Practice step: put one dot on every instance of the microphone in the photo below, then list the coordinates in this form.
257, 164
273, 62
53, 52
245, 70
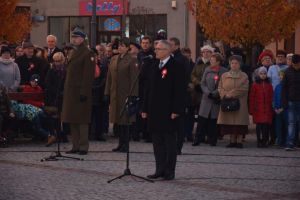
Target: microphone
147, 57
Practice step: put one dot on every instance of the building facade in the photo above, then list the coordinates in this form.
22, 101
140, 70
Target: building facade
140, 17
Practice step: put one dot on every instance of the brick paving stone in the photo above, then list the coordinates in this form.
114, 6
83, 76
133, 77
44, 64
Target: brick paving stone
202, 172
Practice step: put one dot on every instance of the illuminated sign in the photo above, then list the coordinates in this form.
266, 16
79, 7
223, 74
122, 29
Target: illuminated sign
103, 8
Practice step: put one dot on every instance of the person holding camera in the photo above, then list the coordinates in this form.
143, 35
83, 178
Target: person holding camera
210, 102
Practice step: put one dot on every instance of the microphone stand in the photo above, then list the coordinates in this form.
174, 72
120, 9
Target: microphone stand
127, 171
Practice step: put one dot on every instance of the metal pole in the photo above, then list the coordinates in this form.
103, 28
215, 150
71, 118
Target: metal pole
123, 20
93, 26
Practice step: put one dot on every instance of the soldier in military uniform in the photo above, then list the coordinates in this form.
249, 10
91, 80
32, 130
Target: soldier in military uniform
77, 101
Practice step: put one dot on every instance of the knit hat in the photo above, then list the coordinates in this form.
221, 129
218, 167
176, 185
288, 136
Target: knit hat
35, 77
207, 48
262, 69
296, 59
264, 54
5, 49
77, 32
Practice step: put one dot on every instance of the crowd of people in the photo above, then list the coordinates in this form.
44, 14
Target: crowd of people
84, 90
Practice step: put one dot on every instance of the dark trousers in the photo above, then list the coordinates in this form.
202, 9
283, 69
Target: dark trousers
141, 127
262, 133
189, 122
95, 131
5, 123
164, 146
180, 133
123, 132
207, 126
104, 118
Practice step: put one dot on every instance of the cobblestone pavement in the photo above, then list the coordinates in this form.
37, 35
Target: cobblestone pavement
202, 172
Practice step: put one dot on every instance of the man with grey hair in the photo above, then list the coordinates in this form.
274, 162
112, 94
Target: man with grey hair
163, 104
51, 47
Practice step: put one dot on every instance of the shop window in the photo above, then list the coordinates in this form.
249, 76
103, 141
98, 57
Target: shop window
140, 25
61, 27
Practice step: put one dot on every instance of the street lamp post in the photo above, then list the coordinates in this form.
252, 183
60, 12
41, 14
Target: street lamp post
93, 26
123, 20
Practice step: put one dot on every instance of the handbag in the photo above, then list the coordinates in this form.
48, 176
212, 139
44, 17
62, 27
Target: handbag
133, 105
230, 104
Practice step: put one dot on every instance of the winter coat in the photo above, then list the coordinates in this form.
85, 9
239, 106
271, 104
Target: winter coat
122, 73
236, 85
208, 106
9, 74
80, 75
25, 111
146, 61
260, 102
290, 86
277, 103
54, 87
30, 66
30, 89
196, 77
164, 96
4, 104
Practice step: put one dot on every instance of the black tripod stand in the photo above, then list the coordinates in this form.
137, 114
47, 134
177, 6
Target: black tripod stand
124, 110
58, 153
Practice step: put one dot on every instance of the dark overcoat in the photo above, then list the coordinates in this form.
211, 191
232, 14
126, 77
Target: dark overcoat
164, 95
121, 76
79, 78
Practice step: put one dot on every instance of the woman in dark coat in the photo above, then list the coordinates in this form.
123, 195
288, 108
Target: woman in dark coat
122, 73
54, 83
261, 99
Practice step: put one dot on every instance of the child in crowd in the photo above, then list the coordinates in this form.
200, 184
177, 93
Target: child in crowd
280, 114
260, 106
5, 115
33, 88
32, 114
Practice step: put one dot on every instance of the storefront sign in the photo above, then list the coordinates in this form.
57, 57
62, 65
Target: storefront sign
103, 7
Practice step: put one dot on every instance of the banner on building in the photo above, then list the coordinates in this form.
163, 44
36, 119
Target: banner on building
103, 7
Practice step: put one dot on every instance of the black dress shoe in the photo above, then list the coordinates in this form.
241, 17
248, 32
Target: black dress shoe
154, 176
239, 145
72, 151
196, 143
116, 149
101, 138
82, 152
169, 177
123, 149
231, 145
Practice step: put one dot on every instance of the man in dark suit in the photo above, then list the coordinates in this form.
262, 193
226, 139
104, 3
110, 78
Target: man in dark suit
51, 47
146, 58
184, 62
163, 104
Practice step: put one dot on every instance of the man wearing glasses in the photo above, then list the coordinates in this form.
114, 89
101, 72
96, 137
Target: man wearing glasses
163, 104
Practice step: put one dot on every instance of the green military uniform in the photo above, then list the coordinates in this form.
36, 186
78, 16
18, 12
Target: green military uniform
77, 101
